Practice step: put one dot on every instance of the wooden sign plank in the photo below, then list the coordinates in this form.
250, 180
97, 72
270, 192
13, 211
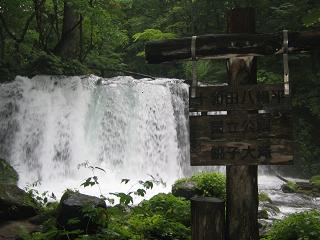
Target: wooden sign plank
241, 126
269, 97
262, 152
214, 46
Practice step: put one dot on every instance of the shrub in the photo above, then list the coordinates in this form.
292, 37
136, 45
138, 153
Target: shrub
168, 206
299, 226
163, 217
207, 184
158, 227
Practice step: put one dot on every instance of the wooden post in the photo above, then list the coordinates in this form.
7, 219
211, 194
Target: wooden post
208, 218
242, 186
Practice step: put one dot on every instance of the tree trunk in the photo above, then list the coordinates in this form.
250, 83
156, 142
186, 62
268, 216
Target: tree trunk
68, 46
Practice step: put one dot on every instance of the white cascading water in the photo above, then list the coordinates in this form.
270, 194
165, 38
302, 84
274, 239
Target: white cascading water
131, 128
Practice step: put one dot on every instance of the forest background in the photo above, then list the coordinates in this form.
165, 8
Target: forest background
106, 38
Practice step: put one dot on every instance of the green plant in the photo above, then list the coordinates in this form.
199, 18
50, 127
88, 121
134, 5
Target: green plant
264, 197
159, 227
41, 197
124, 198
299, 226
315, 180
292, 185
208, 184
167, 205
8, 175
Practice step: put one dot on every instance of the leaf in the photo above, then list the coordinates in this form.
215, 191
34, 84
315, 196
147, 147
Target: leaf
140, 192
148, 184
88, 182
311, 18
125, 180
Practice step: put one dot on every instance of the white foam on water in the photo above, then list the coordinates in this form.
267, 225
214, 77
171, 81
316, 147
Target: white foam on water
126, 126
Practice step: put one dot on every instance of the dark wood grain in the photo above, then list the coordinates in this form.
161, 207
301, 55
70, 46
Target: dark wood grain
242, 126
230, 45
242, 181
207, 218
251, 152
269, 97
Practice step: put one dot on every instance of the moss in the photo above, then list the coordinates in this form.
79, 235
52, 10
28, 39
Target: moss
7, 173
208, 184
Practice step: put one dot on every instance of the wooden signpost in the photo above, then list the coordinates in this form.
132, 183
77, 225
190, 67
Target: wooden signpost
240, 124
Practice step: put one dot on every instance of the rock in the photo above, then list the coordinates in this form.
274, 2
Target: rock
14, 229
287, 189
15, 203
187, 189
7, 173
271, 208
72, 214
263, 214
264, 226
304, 186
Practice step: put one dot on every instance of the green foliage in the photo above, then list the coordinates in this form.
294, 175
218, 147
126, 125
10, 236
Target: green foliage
211, 184
49, 64
300, 226
263, 197
268, 77
7, 173
315, 180
208, 184
152, 34
158, 227
292, 185
312, 17
164, 216
42, 198
167, 205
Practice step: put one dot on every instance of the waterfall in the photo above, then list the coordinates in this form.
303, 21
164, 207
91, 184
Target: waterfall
131, 128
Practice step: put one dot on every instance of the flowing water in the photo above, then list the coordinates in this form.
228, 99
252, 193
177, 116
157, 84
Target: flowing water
133, 129
130, 128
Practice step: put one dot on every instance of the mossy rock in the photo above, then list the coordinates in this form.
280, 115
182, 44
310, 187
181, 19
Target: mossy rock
289, 187
263, 214
270, 208
207, 184
77, 211
7, 173
16, 203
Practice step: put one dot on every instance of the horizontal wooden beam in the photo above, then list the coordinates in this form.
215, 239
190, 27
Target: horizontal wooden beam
246, 152
230, 45
269, 97
241, 126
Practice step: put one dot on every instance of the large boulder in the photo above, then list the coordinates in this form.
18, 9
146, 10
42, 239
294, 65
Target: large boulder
7, 173
15, 203
80, 211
